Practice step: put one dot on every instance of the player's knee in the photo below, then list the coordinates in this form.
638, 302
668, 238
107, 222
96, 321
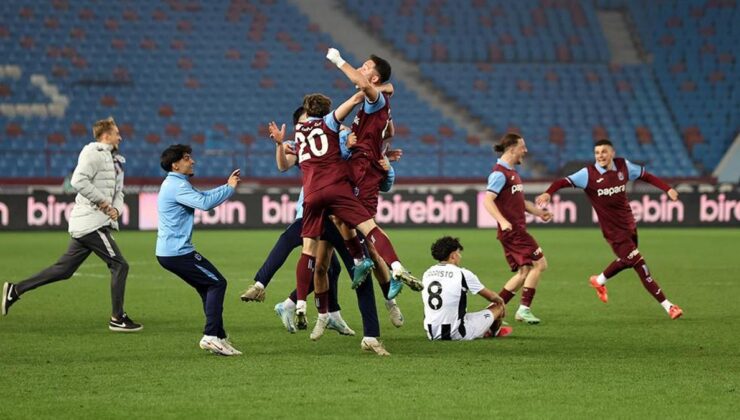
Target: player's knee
123, 266
523, 273
321, 270
541, 264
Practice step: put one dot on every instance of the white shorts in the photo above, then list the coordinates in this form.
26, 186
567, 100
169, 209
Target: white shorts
476, 325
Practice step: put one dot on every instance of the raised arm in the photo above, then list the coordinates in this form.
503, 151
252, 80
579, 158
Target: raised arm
576, 180
283, 160
347, 106
353, 75
206, 200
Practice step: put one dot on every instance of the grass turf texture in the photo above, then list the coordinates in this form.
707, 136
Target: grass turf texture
621, 359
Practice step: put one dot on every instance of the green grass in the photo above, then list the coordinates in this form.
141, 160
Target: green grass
587, 359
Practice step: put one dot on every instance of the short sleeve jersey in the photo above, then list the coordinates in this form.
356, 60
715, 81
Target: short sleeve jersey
607, 192
445, 299
369, 125
319, 154
505, 182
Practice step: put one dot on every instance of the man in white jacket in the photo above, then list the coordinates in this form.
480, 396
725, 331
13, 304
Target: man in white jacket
98, 179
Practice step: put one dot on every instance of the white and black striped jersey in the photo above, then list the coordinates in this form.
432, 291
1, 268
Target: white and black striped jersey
445, 300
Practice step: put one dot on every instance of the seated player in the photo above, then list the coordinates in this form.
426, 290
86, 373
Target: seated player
445, 299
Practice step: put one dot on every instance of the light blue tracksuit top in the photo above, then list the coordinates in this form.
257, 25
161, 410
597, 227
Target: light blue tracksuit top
176, 206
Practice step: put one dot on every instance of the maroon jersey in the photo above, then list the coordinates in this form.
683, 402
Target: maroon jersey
507, 185
608, 195
369, 128
319, 155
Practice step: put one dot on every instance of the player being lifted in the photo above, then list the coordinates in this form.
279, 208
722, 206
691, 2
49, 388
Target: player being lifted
445, 298
605, 185
372, 125
505, 201
327, 190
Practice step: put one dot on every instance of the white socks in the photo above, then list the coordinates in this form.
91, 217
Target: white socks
259, 285
601, 279
397, 267
289, 304
666, 304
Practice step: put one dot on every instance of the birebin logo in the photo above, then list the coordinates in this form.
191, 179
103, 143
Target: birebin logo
228, 213
719, 210
278, 212
55, 213
428, 210
611, 190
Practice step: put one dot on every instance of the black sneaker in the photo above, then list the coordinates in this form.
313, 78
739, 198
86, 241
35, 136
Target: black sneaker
125, 324
10, 296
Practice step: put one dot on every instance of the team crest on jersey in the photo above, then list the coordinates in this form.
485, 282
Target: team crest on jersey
620, 176
512, 177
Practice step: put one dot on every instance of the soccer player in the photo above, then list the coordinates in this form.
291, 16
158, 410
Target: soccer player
98, 180
327, 190
290, 239
605, 185
504, 200
372, 125
176, 206
446, 285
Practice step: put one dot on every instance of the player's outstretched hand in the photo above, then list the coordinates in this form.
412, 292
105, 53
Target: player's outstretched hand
542, 199
334, 56
394, 155
276, 134
234, 178
672, 194
546, 216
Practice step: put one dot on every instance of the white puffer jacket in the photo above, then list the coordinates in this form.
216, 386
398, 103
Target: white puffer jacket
98, 177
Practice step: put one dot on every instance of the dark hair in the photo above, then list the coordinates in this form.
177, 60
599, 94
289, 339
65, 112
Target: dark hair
444, 246
297, 114
172, 154
508, 140
316, 105
383, 68
604, 142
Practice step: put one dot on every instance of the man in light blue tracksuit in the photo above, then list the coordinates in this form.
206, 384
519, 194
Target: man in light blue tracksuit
176, 205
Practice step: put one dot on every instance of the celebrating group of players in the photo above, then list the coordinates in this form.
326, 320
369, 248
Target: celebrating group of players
343, 171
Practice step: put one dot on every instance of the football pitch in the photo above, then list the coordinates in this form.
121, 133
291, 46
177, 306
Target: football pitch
624, 359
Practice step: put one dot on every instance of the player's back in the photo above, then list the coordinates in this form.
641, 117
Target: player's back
319, 154
369, 125
445, 300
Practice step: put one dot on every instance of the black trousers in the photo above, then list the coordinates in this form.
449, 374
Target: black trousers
204, 277
104, 246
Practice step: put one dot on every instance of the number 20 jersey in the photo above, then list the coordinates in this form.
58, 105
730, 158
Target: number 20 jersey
319, 155
445, 299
